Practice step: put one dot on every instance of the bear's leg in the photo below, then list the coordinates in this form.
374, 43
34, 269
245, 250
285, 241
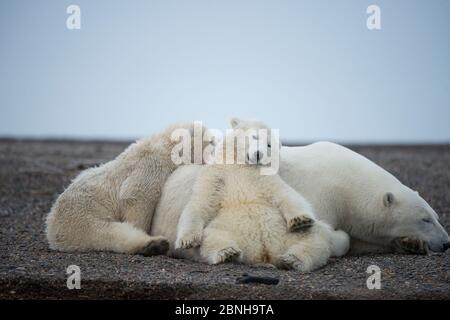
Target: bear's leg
123, 237
88, 234
189, 229
139, 194
305, 252
298, 257
219, 247
340, 243
76, 223
140, 214
295, 209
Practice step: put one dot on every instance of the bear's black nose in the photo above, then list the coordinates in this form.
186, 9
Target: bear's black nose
446, 246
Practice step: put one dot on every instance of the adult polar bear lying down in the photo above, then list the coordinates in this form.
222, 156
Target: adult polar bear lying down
346, 190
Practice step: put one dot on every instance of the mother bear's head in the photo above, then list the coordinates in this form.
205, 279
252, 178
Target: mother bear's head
410, 223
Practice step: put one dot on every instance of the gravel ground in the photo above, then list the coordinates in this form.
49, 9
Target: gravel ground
32, 173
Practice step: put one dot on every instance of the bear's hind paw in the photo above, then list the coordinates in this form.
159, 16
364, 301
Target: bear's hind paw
155, 247
291, 262
225, 255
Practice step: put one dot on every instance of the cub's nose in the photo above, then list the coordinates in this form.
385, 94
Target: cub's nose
445, 246
258, 155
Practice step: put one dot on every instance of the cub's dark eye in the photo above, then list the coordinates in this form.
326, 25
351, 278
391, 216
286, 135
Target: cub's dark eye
426, 220
269, 146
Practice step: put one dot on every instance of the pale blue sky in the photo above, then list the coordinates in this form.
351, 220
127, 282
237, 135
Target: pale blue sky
310, 68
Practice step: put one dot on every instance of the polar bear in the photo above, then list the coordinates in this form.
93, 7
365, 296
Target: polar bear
352, 193
236, 213
346, 190
110, 207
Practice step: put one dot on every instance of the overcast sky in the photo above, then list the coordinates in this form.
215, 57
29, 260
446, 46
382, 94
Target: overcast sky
310, 68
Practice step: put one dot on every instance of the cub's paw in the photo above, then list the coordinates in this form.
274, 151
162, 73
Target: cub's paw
155, 247
300, 223
225, 255
189, 240
411, 245
291, 262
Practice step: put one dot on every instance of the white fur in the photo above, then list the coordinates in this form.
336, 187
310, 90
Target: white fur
347, 190
235, 212
110, 207
248, 221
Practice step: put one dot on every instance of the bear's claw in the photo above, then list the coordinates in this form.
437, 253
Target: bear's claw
188, 242
411, 245
225, 255
300, 223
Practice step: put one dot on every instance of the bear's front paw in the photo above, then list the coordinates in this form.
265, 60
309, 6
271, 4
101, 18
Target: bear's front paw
189, 240
411, 245
300, 223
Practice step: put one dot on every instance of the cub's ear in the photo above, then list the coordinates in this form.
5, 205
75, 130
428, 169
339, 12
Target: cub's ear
388, 199
234, 122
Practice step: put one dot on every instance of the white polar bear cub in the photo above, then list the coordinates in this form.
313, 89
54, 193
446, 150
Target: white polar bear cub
235, 213
110, 207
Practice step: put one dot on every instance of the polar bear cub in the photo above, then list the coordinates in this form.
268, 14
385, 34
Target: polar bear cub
235, 213
110, 207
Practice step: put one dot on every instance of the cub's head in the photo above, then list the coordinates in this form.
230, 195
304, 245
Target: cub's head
254, 141
410, 223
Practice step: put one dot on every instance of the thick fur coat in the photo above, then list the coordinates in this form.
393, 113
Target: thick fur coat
235, 213
110, 207
346, 190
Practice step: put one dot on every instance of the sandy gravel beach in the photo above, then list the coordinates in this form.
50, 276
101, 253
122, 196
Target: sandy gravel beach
33, 173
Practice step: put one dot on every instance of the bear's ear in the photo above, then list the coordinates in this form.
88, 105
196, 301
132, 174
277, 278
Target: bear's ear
388, 199
234, 122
